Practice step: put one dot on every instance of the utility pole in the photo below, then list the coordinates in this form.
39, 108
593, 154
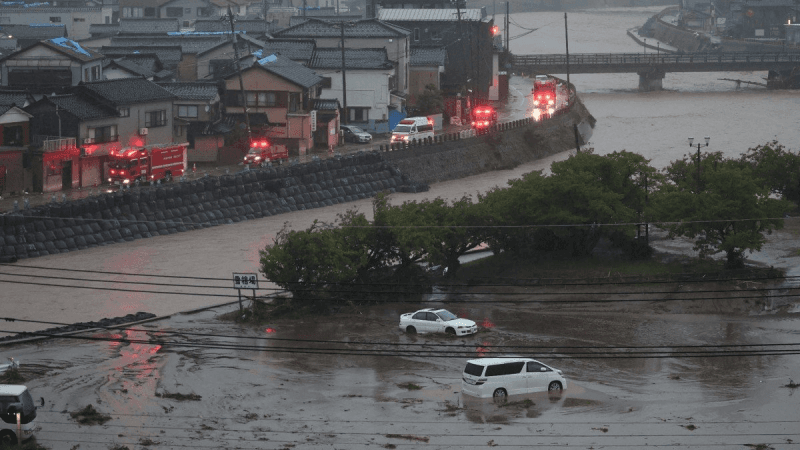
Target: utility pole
566, 39
239, 72
508, 22
344, 80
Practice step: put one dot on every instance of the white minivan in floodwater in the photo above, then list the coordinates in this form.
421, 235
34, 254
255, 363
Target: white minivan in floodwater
501, 377
15, 399
413, 129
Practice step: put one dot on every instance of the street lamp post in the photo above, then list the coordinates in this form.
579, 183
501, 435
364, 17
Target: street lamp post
698, 145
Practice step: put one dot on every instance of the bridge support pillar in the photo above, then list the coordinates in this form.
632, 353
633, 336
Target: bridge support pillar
651, 80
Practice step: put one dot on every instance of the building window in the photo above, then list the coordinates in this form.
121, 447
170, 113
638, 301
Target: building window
174, 12
124, 112
436, 35
359, 114
130, 12
187, 10
181, 130
55, 19
203, 12
154, 119
294, 101
264, 99
149, 11
220, 67
104, 134
95, 73
326, 82
12, 136
79, 19
416, 34
187, 111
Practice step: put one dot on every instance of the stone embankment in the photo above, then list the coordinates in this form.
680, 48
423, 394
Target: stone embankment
131, 214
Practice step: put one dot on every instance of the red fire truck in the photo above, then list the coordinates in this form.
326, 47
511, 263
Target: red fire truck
134, 165
262, 151
544, 94
483, 119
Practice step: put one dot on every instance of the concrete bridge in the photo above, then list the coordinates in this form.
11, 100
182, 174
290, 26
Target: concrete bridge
652, 67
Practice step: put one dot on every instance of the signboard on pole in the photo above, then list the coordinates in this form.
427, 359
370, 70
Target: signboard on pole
245, 281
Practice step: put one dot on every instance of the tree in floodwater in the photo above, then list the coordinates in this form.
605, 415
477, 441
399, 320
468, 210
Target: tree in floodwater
315, 262
777, 169
565, 210
431, 231
720, 203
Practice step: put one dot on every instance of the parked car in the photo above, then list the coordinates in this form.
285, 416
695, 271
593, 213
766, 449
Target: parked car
354, 134
432, 320
501, 377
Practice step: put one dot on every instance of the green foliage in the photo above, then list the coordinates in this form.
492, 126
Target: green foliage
310, 262
430, 101
725, 208
776, 168
584, 189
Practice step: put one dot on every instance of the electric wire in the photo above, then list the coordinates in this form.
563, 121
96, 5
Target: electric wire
422, 353
681, 277
378, 300
411, 344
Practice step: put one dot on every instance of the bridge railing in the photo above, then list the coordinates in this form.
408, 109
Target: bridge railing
642, 58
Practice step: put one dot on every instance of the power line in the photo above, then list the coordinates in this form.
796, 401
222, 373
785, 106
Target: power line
411, 344
426, 353
681, 277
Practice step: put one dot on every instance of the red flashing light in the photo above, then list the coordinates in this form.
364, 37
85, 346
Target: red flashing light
270, 330
495, 30
430, 121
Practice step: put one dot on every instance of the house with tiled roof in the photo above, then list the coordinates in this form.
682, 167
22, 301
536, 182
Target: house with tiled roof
124, 68
29, 34
427, 67
277, 94
467, 36
300, 18
200, 53
51, 65
77, 117
168, 56
76, 20
363, 34
298, 50
257, 28
195, 111
367, 75
145, 111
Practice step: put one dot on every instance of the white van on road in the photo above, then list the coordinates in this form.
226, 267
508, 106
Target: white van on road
501, 377
413, 128
16, 399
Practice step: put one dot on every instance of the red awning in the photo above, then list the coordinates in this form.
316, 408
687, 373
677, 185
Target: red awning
65, 153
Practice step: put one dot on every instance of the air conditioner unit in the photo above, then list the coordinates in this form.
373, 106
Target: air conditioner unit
143, 131
88, 141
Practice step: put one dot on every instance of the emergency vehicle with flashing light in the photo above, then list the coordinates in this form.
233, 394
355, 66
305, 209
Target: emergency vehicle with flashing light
413, 128
150, 163
483, 119
544, 95
262, 151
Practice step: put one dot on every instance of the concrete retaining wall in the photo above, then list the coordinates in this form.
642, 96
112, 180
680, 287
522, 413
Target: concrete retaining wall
522, 141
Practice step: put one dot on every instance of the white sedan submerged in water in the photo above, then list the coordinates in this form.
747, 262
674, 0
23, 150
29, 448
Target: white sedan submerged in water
432, 320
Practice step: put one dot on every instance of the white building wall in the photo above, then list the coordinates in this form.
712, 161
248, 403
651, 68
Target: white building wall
365, 88
75, 20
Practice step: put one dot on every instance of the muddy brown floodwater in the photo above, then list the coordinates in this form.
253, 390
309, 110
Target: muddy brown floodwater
216, 385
